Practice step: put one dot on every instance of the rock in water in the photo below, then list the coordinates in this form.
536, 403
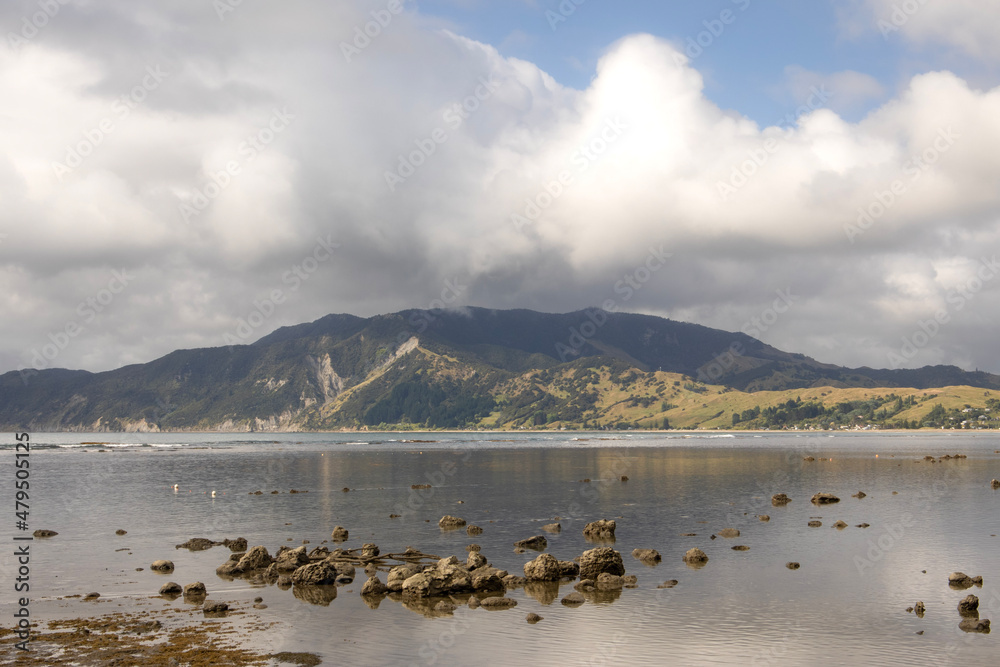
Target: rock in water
975, 625
162, 566
859, 495
447, 576
369, 550
780, 499
475, 560
44, 533
472, 531
449, 522
995, 483
339, 534
792, 565
601, 559
543, 568
315, 574
552, 527
171, 588
374, 586
919, 609
609, 582
538, 542
120, 531
292, 559
197, 544
239, 544
695, 557
216, 608
840, 525
961, 580
729, 532
574, 600
497, 603
969, 605
197, 589
824, 499
533, 618
603, 529
648, 556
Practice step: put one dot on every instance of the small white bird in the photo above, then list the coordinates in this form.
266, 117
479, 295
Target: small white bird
213, 494
175, 487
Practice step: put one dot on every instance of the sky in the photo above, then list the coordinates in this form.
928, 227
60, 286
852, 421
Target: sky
820, 175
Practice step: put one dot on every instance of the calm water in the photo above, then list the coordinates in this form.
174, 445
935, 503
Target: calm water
845, 606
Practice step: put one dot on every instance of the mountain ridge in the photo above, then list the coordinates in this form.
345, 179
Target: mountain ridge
469, 367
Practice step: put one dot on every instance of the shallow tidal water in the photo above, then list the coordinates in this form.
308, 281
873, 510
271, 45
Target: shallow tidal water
846, 605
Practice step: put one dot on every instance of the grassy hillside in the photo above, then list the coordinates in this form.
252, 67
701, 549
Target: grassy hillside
493, 369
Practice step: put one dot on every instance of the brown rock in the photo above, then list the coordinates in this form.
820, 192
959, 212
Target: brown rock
969, 606
533, 618
601, 559
780, 499
473, 530
729, 532
974, 625
537, 543
449, 522
792, 565
552, 527
339, 534
543, 568
824, 499
171, 588
498, 603
197, 589
695, 557
647, 556
574, 599
162, 566
374, 586
601, 530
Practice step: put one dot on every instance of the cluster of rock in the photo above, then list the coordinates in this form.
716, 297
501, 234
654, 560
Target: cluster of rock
968, 607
